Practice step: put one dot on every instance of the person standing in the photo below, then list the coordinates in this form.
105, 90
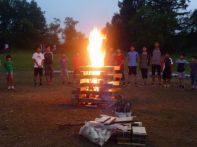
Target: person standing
9, 69
64, 69
77, 62
144, 63
109, 59
132, 64
48, 65
119, 60
181, 62
38, 59
194, 72
156, 63
167, 70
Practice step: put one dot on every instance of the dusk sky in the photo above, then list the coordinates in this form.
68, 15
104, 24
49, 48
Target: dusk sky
89, 13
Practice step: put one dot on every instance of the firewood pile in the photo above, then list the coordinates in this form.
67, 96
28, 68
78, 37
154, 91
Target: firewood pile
123, 128
98, 85
124, 131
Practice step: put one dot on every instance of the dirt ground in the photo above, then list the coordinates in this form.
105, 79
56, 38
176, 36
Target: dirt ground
29, 115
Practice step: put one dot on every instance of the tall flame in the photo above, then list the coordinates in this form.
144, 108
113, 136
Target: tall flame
95, 48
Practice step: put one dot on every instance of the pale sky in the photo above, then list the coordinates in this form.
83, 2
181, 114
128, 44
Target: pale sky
89, 13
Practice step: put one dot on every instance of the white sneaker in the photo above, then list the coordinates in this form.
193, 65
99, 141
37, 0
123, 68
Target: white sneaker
13, 87
9, 87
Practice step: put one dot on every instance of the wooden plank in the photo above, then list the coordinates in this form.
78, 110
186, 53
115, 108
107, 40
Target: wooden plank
100, 85
102, 76
103, 89
103, 68
88, 81
95, 92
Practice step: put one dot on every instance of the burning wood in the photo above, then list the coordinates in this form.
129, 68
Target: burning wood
97, 82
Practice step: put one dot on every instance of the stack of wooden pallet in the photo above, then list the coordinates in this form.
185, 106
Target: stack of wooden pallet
98, 85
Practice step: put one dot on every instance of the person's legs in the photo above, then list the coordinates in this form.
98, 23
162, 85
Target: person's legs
8, 81
144, 75
181, 77
135, 74
47, 73
40, 70
122, 76
129, 74
192, 81
12, 80
195, 82
51, 74
158, 68
63, 75
153, 74
35, 76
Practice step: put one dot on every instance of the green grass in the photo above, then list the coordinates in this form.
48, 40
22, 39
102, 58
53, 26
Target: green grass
23, 60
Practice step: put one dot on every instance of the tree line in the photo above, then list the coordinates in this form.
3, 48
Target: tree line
142, 22
23, 26
138, 22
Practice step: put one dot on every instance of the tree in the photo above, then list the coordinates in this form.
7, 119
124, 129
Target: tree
54, 31
74, 41
141, 22
22, 23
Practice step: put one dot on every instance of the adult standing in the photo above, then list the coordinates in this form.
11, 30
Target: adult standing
38, 59
109, 59
48, 65
156, 63
132, 64
144, 63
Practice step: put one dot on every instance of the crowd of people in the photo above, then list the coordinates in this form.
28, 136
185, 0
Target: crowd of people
161, 66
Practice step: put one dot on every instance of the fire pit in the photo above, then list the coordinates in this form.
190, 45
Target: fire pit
98, 83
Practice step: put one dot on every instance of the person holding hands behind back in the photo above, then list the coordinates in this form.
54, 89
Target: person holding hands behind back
38, 59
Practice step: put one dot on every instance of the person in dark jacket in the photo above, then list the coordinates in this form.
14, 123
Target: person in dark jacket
167, 70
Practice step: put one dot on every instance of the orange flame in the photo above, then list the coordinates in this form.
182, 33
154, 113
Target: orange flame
95, 48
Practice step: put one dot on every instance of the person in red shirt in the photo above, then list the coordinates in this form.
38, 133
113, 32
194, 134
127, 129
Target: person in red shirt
119, 60
76, 64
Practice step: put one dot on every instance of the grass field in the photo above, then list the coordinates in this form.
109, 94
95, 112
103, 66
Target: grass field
29, 115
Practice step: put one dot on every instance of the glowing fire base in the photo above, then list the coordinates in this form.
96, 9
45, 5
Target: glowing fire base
98, 85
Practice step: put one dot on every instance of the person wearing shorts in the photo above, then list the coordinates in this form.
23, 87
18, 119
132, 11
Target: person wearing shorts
38, 59
132, 64
9, 69
181, 62
48, 65
156, 63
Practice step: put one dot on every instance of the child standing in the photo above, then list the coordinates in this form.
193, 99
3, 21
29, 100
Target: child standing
194, 72
9, 69
144, 63
132, 64
167, 70
181, 62
63, 69
48, 65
